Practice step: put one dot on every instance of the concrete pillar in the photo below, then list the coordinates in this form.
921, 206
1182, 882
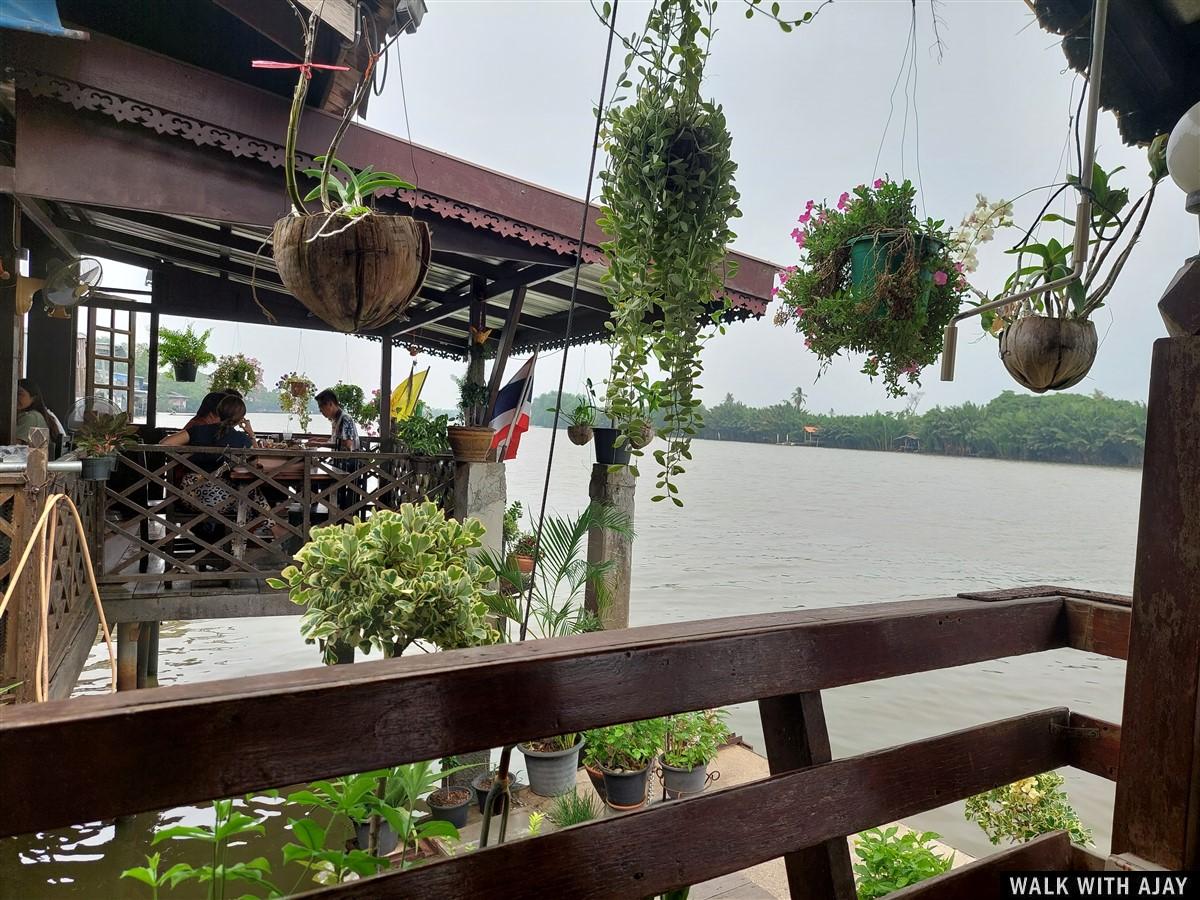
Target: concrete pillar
480, 491
612, 489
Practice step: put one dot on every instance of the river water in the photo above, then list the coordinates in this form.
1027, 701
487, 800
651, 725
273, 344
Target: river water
765, 528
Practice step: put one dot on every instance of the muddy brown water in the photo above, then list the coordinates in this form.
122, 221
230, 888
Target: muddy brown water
765, 528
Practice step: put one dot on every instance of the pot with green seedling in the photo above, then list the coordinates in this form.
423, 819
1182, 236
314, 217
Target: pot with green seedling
99, 440
523, 551
690, 747
471, 441
624, 755
354, 268
552, 763
580, 422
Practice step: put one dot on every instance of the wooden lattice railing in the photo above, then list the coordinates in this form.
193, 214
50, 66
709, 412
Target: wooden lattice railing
251, 734
160, 528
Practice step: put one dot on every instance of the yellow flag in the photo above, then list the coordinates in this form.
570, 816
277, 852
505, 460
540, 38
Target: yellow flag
406, 395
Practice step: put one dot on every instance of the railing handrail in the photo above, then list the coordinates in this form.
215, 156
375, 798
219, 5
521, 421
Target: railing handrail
265, 731
298, 452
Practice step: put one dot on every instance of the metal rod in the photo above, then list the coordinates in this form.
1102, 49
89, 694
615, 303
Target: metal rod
1083, 212
58, 465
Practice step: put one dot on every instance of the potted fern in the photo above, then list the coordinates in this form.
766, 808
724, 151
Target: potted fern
185, 351
352, 267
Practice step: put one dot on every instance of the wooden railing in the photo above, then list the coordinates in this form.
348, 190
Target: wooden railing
251, 734
160, 529
71, 616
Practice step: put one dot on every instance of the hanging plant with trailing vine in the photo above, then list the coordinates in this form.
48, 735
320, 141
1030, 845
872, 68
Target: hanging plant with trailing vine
668, 196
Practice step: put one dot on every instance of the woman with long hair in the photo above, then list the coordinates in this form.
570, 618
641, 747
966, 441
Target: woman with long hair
32, 412
207, 413
230, 430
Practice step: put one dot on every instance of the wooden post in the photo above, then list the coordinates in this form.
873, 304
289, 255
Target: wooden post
505, 348
24, 613
127, 655
478, 320
385, 396
796, 738
1157, 811
10, 331
614, 489
152, 371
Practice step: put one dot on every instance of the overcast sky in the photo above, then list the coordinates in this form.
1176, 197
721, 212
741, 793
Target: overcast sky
510, 86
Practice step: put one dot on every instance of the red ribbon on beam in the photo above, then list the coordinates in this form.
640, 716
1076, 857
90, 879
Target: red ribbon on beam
306, 67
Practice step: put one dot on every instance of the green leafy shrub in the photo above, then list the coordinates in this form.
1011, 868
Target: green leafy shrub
1025, 809
104, 434
629, 746
889, 860
402, 576
184, 347
692, 739
423, 435
236, 373
512, 522
299, 402
353, 401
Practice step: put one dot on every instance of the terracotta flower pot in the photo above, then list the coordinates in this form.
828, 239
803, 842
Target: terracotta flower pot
1048, 354
298, 388
579, 434
523, 563
357, 275
470, 443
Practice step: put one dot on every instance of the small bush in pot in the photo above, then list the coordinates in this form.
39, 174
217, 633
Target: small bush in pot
185, 351
624, 754
552, 763
296, 392
402, 576
471, 441
423, 435
524, 550
691, 744
98, 442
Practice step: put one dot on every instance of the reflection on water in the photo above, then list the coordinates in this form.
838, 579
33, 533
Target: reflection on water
765, 528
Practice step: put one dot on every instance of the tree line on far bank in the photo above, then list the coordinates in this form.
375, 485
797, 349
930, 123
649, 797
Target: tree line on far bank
1071, 428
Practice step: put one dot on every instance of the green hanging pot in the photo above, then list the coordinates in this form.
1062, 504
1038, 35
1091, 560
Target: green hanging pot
883, 253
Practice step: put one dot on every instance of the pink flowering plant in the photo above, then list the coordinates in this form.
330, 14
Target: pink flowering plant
896, 313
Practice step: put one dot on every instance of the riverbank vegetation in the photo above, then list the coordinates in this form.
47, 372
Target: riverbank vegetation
1070, 428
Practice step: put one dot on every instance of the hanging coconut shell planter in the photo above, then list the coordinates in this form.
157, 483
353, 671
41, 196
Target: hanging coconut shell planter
1048, 354
353, 268
355, 274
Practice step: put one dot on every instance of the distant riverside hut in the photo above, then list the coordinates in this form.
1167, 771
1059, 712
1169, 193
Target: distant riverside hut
812, 435
907, 443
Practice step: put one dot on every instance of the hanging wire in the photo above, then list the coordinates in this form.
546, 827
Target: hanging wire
562, 373
891, 105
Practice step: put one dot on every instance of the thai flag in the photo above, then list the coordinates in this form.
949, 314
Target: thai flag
510, 416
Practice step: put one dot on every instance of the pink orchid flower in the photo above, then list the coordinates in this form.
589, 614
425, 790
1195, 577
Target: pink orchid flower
912, 368
958, 267
803, 220
809, 205
841, 204
940, 277
822, 217
799, 311
878, 183
808, 343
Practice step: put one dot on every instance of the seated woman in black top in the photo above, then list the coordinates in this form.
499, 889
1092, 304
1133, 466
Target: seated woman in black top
210, 492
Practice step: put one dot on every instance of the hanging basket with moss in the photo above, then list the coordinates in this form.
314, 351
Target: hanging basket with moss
874, 279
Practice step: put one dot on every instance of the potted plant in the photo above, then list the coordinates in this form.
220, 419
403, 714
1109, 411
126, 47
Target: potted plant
352, 399
624, 754
354, 268
482, 784
423, 435
185, 351
873, 279
580, 422
236, 373
523, 551
99, 440
296, 392
612, 445
690, 746
511, 529
1048, 342
402, 576
552, 763
472, 440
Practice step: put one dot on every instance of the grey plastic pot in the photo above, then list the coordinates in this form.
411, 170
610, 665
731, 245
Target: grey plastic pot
97, 468
388, 840
454, 813
679, 782
625, 790
551, 772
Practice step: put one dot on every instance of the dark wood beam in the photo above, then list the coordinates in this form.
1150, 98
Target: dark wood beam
10, 328
525, 277
511, 322
983, 879
274, 21
38, 212
567, 682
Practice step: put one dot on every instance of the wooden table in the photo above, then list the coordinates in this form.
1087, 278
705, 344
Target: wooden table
287, 472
